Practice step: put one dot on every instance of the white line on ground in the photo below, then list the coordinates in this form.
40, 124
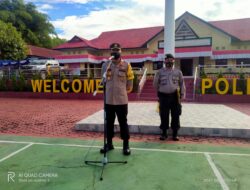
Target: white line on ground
142, 149
16, 152
216, 172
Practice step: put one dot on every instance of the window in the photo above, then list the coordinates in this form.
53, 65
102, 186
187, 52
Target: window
157, 65
242, 62
201, 61
137, 65
220, 62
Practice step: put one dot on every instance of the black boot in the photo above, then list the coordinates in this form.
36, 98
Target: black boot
175, 135
109, 146
164, 135
126, 150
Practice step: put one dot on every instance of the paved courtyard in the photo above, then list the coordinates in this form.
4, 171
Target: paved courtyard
197, 119
57, 118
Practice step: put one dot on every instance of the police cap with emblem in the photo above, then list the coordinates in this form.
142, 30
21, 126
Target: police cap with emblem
115, 46
169, 56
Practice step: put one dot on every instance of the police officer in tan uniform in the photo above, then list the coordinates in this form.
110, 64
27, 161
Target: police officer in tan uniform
169, 83
119, 81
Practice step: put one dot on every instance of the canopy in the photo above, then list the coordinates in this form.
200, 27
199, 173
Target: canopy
12, 62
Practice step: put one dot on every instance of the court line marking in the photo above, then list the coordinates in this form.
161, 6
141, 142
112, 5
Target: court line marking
142, 149
216, 172
16, 152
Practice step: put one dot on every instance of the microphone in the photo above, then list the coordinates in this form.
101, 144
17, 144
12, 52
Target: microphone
104, 75
94, 94
111, 57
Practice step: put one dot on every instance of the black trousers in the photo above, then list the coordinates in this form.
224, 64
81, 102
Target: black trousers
121, 111
169, 104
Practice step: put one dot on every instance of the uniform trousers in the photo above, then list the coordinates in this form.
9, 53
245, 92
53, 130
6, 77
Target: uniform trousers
121, 111
169, 104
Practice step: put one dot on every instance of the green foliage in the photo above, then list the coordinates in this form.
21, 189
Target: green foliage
220, 75
33, 25
91, 75
57, 41
36, 76
242, 83
49, 77
76, 77
11, 44
203, 74
242, 75
14, 85
62, 76
17, 83
22, 84
3, 84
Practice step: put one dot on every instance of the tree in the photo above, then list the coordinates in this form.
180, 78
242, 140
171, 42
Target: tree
33, 25
12, 45
57, 41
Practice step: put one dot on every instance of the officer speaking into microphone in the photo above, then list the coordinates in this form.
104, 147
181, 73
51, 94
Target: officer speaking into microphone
119, 81
169, 83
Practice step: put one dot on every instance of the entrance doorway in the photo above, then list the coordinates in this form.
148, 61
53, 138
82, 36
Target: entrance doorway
187, 67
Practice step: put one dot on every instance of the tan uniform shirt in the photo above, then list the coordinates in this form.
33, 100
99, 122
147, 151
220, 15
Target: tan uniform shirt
119, 77
169, 80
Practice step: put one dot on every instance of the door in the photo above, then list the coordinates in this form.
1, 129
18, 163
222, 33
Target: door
187, 67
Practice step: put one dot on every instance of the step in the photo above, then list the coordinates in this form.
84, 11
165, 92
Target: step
149, 91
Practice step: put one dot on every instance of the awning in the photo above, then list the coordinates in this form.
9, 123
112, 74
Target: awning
187, 52
231, 54
99, 59
12, 63
203, 51
80, 59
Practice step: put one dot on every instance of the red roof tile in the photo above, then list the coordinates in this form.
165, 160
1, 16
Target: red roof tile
131, 38
75, 42
137, 38
42, 52
240, 28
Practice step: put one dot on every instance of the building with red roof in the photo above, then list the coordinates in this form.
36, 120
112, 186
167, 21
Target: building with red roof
42, 53
198, 43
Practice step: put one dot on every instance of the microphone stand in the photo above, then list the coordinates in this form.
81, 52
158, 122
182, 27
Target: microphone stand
104, 160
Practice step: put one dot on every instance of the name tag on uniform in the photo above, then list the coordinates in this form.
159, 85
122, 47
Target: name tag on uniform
122, 74
175, 79
164, 80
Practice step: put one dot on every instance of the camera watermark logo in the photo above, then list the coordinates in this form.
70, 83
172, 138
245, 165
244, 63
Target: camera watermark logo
11, 177
31, 177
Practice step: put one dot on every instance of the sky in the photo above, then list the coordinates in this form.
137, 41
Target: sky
88, 18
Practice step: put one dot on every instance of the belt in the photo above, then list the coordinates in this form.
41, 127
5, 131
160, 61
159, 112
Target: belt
167, 94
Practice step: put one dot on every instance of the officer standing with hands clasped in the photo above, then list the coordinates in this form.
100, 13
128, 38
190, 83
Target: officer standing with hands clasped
119, 81
170, 87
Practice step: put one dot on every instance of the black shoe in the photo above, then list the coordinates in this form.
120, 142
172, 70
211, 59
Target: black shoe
106, 148
175, 135
126, 151
176, 138
164, 135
